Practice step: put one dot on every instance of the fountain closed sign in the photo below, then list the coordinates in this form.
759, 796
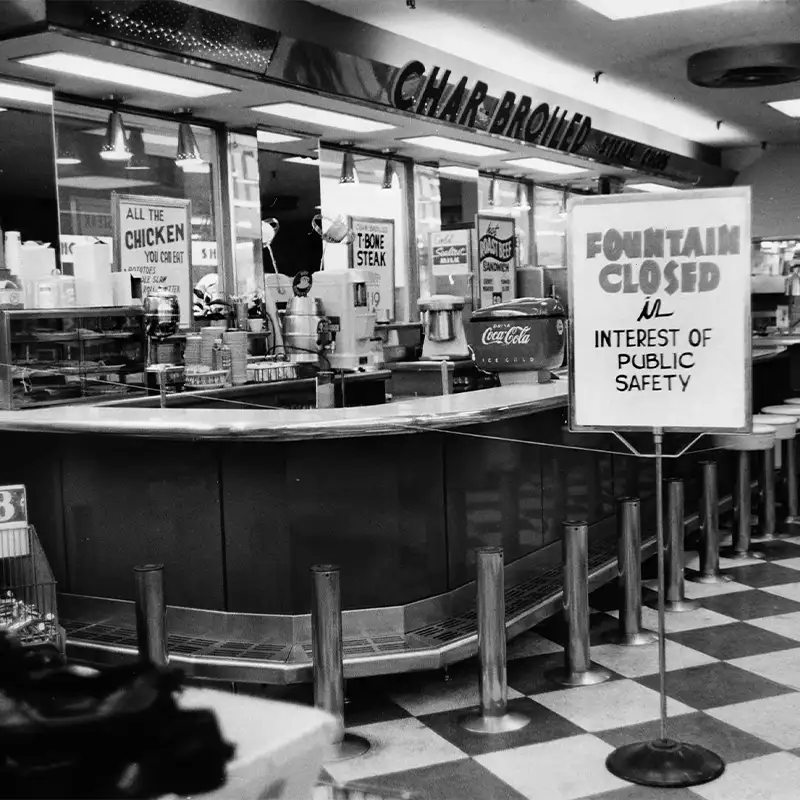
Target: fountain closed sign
660, 311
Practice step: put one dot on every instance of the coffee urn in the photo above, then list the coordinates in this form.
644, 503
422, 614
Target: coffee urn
443, 328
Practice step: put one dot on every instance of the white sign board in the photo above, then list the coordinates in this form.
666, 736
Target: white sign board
152, 240
372, 249
497, 259
660, 311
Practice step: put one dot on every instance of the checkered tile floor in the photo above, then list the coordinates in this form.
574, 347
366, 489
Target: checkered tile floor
733, 686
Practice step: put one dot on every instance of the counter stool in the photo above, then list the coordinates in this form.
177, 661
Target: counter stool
785, 431
761, 439
789, 460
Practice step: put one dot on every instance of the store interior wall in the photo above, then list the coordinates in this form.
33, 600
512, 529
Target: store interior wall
772, 176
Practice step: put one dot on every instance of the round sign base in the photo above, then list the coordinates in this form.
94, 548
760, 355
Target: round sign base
665, 763
506, 723
351, 746
738, 555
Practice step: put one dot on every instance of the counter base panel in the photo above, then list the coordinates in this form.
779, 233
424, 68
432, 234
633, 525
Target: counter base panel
376, 641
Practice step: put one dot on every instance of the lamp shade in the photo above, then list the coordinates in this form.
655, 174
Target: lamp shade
139, 160
115, 147
68, 153
389, 175
349, 176
188, 149
521, 200
493, 191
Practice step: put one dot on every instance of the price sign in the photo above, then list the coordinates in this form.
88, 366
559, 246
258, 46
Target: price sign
13, 522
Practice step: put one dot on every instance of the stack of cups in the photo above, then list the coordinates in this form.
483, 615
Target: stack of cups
209, 337
237, 341
191, 356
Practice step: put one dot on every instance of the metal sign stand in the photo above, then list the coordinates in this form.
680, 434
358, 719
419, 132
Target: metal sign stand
663, 762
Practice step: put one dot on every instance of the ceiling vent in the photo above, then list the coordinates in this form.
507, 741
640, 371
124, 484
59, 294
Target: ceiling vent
741, 67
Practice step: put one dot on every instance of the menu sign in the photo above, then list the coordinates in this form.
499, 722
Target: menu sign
450, 252
152, 240
372, 248
660, 311
497, 259
13, 521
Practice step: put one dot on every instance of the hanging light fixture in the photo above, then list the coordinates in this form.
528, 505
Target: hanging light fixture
493, 191
389, 174
68, 153
349, 176
115, 147
188, 154
521, 200
139, 161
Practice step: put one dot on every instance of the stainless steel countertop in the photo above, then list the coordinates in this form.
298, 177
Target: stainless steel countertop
406, 416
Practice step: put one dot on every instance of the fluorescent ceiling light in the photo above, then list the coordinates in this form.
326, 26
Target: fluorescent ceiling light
100, 182
272, 137
303, 160
789, 107
122, 75
320, 116
460, 172
653, 187
543, 165
25, 93
628, 9
448, 145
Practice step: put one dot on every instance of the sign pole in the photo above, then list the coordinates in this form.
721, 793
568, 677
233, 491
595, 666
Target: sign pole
663, 762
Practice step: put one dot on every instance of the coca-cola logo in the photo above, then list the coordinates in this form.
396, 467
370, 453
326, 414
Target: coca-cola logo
506, 335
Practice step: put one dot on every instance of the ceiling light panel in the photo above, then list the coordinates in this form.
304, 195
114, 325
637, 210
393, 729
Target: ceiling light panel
122, 75
630, 9
460, 172
323, 117
447, 145
25, 93
543, 165
789, 107
653, 187
273, 137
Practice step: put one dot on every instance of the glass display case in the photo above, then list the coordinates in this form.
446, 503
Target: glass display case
65, 356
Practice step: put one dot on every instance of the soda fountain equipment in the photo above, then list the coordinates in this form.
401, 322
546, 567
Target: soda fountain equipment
443, 328
162, 316
522, 340
349, 301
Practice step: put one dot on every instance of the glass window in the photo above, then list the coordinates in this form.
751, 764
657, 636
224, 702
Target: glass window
374, 207
244, 187
86, 182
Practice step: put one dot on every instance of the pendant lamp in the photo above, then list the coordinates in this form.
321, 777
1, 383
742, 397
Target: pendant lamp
521, 200
389, 175
115, 147
139, 161
349, 176
188, 150
493, 191
68, 154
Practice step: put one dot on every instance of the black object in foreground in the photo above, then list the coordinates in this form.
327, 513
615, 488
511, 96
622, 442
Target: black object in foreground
117, 733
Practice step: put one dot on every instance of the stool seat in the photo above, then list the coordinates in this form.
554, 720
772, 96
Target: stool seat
783, 410
785, 427
792, 401
761, 438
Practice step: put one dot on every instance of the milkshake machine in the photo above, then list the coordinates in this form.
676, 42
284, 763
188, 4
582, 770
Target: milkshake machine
348, 300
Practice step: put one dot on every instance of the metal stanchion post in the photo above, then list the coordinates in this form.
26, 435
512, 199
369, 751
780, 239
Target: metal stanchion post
578, 669
629, 533
151, 614
673, 555
494, 716
709, 521
792, 517
328, 649
740, 549
767, 524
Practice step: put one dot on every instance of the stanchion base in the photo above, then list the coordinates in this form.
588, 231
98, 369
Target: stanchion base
680, 606
639, 639
595, 674
792, 521
665, 763
715, 577
771, 537
351, 746
506, 723
738, 555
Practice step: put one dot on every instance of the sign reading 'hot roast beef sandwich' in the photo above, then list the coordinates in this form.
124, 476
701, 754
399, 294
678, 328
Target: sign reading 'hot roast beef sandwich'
497, 259
660, 310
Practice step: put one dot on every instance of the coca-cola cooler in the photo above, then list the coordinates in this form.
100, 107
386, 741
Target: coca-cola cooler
522, 340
